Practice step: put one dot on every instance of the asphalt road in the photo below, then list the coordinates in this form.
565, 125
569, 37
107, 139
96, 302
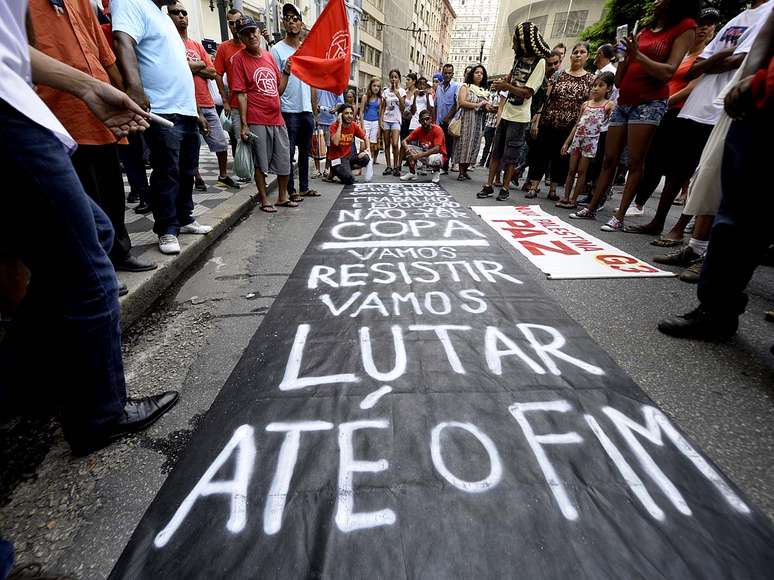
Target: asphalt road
76, 515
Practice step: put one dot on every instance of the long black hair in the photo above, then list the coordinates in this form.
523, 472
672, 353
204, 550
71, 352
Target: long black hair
677, 11
469, 76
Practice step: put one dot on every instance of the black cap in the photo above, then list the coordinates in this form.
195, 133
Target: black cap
709, 16
245, 23
290, 9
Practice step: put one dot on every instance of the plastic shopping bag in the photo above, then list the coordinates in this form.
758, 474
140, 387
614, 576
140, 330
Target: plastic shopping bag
243, 159
225, 120
368, 174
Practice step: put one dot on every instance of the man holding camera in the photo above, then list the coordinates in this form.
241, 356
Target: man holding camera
340, 154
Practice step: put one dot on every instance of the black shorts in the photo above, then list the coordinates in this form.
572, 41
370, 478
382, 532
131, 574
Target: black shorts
508, 141
686, 148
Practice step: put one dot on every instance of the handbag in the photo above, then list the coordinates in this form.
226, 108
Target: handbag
455, 127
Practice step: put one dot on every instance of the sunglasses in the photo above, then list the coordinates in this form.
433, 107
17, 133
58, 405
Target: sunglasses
292, 18
177, 12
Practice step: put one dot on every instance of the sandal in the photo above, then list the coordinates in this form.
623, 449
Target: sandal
552, 196
678, 201
461, 177
644, 229
387, 171
289, 203
532, 194
269, 208
503, 195
666, 243
566, 204
310, 193
296, 197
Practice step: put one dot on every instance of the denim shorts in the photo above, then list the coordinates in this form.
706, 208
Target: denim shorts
648, 113
389, 126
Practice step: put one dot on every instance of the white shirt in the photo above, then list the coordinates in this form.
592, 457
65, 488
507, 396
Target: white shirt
392, 112
16, 73
423, 103
164, 71
740, 32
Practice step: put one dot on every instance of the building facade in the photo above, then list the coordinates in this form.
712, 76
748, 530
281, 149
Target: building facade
430, 36
558, 21
371, 43
475, 34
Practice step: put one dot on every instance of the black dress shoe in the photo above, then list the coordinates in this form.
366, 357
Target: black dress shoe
700, 324
143, 208
132, 264
138, 414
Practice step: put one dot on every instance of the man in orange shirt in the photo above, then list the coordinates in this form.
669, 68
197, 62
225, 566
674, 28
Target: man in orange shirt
202, 71
75, 37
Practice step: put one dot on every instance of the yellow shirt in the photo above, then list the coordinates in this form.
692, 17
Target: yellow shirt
521, 113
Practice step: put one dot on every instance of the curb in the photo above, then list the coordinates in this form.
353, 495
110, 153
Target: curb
145, 288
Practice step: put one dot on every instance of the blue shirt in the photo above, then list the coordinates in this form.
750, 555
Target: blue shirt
327, 101
444, 100
164, 72
297, 97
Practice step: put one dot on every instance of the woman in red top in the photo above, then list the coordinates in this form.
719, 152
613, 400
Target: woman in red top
642, 78
679, 89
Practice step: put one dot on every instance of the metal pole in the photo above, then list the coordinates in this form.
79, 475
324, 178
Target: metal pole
566, 18
481, 53
222, 18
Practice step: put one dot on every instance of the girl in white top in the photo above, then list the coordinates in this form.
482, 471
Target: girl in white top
422, 101
393, 103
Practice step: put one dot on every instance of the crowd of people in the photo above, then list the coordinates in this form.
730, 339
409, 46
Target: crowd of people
684, 100
681, 100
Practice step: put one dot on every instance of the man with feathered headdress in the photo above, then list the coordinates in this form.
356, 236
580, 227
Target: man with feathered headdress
517, 88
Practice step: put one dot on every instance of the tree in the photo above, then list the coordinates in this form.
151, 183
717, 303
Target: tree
618, 12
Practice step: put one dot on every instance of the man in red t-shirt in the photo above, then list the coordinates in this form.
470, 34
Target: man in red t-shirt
258, 85
343, 132
431, 151
202, 70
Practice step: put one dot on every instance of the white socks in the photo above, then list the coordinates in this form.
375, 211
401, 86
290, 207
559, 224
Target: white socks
698, 246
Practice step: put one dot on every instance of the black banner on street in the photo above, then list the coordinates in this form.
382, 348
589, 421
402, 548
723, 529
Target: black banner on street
414, 406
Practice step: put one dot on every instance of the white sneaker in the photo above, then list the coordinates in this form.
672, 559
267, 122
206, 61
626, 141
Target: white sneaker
634, 211
436, 176
168, 244
408, 177
195, 228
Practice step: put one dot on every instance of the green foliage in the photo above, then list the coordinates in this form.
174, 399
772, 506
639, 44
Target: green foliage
616, 13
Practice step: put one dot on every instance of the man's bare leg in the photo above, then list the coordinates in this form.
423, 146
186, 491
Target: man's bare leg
263, 191
222, 163
282, 188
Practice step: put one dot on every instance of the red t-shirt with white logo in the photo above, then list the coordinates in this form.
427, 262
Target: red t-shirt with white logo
259, 78
348, 134
195, 52
429, 139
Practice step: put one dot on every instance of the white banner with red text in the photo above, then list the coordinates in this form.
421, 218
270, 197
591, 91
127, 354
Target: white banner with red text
560, 250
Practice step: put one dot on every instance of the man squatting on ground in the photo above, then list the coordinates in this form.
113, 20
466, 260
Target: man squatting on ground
431, 151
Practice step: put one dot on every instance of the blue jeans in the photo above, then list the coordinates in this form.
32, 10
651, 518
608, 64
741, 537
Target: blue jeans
66, 331
133, 159
174, 156
300, 128
6, 558
742, 229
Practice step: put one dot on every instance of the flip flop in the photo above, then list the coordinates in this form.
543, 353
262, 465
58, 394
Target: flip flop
288, 203
269, 208
531, 195
566, 205
311, 193
665, 243
641, 229
298, 198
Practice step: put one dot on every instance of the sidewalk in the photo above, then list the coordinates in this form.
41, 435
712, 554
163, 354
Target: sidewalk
219, 207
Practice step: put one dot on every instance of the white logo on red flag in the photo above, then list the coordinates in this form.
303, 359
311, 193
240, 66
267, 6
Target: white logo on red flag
339, 47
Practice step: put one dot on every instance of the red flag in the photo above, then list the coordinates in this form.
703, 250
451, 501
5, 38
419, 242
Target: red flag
323, 59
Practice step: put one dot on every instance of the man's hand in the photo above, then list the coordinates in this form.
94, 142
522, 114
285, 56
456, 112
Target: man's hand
362, 154
227, 108
121, 114
286, 69
204, 127
739, 102
244, 132
138, 96
533, 131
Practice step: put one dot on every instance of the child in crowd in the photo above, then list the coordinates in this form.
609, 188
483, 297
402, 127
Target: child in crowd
369, 116
582, 142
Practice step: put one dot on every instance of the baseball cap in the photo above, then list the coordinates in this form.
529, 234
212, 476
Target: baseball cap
709, 15
437, 76
245, 23
290, 9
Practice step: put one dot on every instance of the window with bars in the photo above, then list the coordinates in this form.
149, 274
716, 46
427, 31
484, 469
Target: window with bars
541, 22
569, 24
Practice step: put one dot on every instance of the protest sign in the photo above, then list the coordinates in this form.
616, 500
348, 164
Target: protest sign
414, 406
561, 250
